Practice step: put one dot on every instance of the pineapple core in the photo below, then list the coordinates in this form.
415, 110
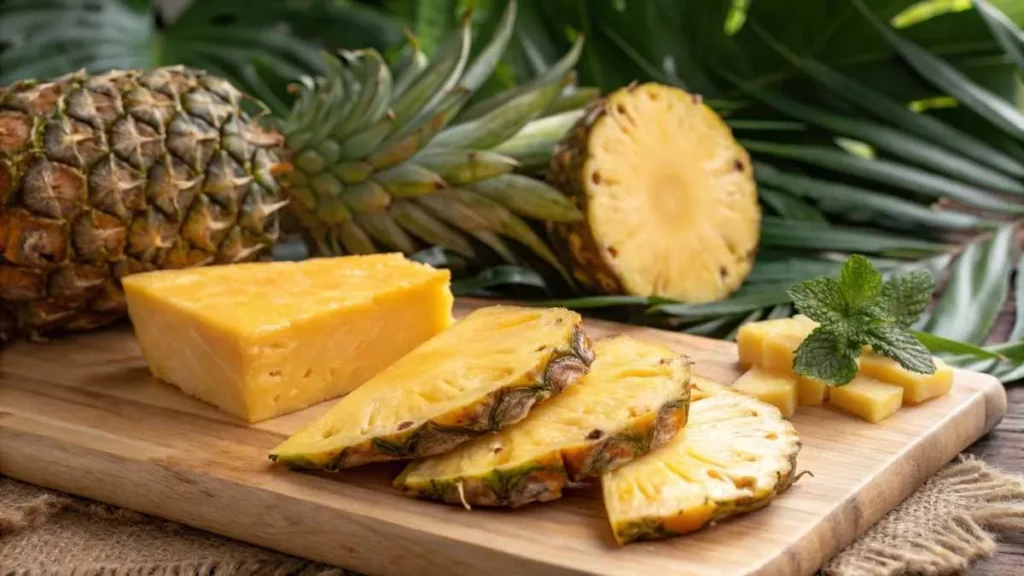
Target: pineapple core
779, 390
263, 339
867, 398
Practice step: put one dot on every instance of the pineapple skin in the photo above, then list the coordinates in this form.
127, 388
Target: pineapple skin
574, 241
107, 175
544, 478
491, 413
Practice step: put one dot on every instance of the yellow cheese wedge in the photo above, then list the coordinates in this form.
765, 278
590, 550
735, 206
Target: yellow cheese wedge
810, 392
776, 389
867, 398
263, 339
916, 387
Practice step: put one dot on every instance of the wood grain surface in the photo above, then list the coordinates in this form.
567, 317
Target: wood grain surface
82, 415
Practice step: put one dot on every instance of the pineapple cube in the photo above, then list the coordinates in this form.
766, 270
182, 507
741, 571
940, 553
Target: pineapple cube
263, 339
810, 392
916, 387
867, 398
772, 343
776, 389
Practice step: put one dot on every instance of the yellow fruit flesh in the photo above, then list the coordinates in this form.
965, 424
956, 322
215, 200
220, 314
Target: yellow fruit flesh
867, 398
776, 389
916, 387
488, 350
670, 196
628, 380
734, 454
772, 344
810, 392
263, 339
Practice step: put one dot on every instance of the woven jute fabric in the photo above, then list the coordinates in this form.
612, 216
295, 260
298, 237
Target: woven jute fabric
950, 522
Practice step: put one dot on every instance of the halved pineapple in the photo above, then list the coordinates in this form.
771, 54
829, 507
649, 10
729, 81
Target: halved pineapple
735, 454
484, 373
633, 400
668, 196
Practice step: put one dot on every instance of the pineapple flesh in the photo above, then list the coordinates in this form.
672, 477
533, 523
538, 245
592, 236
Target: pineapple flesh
667, 194
916, 387
734, 456
484, 373
109, 175
867, 398
633, 400
776, 389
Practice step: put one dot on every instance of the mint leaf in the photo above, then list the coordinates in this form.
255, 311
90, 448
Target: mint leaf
824, 355
858, 309
859, 281
907, 296
820, 299
902, 346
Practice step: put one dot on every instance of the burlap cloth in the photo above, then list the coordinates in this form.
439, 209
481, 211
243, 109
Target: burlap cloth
950, 522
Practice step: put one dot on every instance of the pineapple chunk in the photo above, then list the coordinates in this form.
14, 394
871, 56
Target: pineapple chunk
810, 392
633, 400
734, 456
867, 398
916, 387
484, 373
263, 339
779, 390
771, 344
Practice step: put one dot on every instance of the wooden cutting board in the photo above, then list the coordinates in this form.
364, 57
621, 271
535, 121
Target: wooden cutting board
83, 415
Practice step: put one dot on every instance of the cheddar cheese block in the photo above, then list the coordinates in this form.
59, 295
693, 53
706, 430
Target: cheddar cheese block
263, 339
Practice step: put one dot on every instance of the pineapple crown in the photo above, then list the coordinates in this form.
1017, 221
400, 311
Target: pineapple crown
397, 158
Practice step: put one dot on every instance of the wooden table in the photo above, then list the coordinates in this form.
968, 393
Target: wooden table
1004, 449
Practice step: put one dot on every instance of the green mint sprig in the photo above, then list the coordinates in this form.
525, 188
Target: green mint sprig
859, 309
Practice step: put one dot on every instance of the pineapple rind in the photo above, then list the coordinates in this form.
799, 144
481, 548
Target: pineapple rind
544, 477
659, 523
490, 413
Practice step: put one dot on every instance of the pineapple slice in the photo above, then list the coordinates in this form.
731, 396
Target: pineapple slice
735, 454
668, 198
916, 387
776, 389
867, 398
634, 399
482, 374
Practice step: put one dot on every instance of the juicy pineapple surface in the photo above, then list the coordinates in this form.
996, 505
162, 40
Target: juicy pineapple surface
668, 197
484, 373
734, 455
104, 176
633, 400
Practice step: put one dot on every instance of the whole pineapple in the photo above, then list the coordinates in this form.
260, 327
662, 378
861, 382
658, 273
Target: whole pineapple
114, 174
103, 176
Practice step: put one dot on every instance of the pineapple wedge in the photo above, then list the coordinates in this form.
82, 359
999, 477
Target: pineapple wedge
916, 387
735, 454
776, 389
867, 398
634, 399
481, 375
